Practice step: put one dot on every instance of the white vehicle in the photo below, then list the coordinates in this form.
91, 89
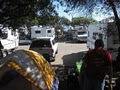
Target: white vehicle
39, 31
81, 35
9, 39
108, 33
46, 46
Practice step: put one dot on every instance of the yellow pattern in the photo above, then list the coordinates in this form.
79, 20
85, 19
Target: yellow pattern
13, 65
43, 66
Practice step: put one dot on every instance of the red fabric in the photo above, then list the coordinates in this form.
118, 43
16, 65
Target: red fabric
98, 50
109, 56
97, 61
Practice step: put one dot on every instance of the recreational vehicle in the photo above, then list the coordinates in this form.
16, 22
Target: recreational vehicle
39, 31
108, 33
9, 39
81, 35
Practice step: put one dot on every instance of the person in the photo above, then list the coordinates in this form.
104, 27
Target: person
97, 64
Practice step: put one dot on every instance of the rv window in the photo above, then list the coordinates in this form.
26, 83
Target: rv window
49, 31
80, 33
4, 36
37, 31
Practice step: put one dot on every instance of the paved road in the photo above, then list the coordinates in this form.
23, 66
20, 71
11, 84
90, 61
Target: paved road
68, 53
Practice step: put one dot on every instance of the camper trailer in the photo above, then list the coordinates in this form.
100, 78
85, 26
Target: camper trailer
108, 33
39, 31
78, 34
9, 39
81, 35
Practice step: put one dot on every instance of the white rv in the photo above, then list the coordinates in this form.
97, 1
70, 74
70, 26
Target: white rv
9, 39
108, 33
38, 31
81, 35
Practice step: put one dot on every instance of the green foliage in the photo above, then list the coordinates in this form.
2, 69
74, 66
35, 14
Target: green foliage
64, 21
16, 13
82, 20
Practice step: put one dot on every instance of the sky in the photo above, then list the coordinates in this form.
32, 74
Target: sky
61, 13
76, 13
69, 15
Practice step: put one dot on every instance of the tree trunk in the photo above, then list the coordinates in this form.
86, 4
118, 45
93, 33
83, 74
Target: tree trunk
117, 20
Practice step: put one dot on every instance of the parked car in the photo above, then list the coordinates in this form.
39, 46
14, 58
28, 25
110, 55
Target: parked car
46, 46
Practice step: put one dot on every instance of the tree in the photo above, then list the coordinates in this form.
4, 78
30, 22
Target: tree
81, 21
15, 13
90, 4
64, 21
